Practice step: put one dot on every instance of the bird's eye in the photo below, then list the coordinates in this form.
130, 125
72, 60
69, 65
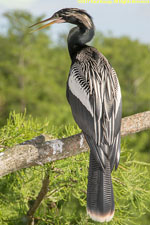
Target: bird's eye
56, 15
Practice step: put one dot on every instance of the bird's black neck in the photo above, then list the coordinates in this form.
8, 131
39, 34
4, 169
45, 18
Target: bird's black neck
77, 38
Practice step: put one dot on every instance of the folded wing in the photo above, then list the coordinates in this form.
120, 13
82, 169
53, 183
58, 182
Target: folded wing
93, 92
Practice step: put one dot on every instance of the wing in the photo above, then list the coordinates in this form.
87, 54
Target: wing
95, 98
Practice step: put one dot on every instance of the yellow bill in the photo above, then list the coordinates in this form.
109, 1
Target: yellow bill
54, 20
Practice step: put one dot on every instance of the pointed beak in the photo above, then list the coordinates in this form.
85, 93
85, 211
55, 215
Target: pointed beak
52, 21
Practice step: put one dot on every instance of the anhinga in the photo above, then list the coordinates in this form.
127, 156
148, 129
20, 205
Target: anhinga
93, 92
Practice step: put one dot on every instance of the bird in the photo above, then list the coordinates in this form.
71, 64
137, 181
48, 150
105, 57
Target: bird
94, 94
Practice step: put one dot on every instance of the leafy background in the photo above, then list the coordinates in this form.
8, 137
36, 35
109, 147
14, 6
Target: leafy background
33, 75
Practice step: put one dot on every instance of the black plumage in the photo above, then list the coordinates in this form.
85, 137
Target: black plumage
94, 95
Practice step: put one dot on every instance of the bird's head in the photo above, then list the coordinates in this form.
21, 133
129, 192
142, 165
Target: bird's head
68, 15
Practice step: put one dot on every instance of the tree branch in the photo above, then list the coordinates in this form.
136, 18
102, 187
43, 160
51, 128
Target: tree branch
41, 149
40, 197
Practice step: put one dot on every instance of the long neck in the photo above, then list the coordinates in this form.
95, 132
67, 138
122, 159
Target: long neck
78, 37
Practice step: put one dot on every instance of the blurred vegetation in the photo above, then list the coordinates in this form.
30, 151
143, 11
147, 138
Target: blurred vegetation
33, 75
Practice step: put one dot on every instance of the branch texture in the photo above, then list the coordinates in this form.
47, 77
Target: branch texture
41, 149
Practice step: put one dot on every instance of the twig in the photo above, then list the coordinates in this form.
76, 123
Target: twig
40, 197
118, 181
137, 162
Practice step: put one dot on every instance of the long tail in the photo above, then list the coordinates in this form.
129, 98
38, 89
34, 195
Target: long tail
100, 198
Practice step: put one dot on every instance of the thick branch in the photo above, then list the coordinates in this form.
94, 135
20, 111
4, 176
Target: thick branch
135, 123
41, 150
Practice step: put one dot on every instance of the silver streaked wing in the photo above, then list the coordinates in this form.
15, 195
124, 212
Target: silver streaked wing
99, 93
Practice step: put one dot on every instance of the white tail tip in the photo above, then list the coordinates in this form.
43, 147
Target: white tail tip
99, 217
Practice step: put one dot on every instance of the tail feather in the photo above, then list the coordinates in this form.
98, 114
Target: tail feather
100, 198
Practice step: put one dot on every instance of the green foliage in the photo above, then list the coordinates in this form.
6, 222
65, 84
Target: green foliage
65, 202
19, 129
32, 76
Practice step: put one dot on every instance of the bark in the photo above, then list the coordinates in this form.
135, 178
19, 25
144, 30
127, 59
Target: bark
41, 149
